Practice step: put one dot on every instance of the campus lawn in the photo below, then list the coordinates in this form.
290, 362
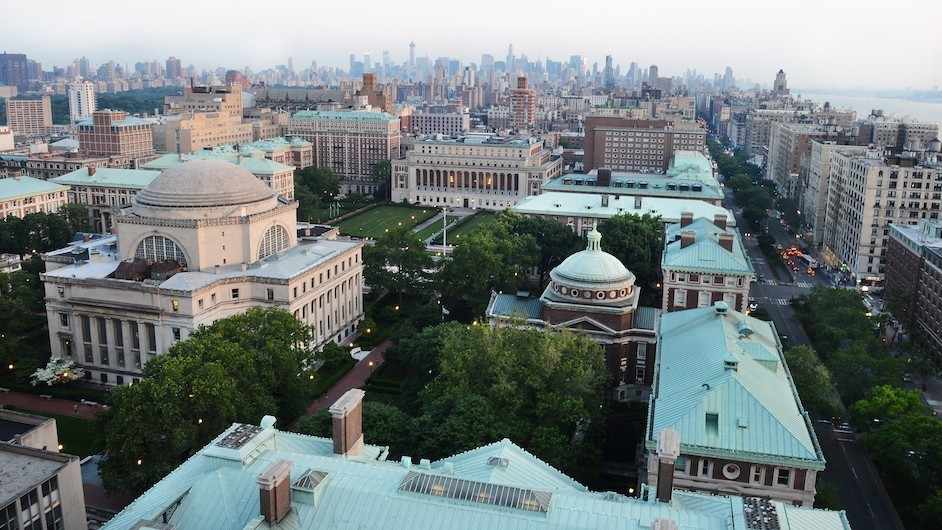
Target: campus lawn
373, 223
466, 227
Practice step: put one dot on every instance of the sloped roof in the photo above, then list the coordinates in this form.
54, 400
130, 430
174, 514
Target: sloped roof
216, 488
759, 417
590, 205
509, 305
20, 187
705, 254
108, 177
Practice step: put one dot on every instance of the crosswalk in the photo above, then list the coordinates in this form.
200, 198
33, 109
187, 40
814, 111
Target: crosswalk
772, 301
806, 285
768, 282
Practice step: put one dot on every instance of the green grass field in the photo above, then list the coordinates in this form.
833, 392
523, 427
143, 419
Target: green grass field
434, 228
75, 434
373, 223
466, 227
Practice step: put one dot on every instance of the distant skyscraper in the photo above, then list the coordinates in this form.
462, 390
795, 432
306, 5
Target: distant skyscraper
367, 62
652, 74
728, 80
81, 100
174, 68
84, 67
412, 54
608, 75
780, 87
13, 71
353, 62
290, 65
510, 58
386, 58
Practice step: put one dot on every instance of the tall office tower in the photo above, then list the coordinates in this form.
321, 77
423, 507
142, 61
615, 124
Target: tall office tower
412, 54
81, 100
29, 116
781, 85
487, 62
290, 65
652, 75
608, 75
510, 58
85, 67
728, 80
34, 70
13, 71
386, 58
367, 62
174, 68
523, 105
634, 74
353, 63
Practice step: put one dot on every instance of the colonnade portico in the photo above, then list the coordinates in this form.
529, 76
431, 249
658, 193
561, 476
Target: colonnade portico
472, 181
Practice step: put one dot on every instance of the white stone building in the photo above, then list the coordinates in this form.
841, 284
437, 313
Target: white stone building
203, 241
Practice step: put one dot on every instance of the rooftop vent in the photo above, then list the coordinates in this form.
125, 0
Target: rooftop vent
720, 307
239, 436
498, 462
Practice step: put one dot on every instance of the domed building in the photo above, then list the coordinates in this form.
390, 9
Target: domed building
204, 240
593, 291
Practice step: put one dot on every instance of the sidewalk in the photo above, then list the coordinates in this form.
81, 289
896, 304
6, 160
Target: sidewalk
355, 378
65, 407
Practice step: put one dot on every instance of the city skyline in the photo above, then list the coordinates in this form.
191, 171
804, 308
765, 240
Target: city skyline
709, 41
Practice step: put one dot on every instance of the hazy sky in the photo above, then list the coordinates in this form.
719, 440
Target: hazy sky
819, 43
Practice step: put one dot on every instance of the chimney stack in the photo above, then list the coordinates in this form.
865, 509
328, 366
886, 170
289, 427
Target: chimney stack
720, 220
604, 177
347, 414
686, 218
668, 449
687, 237
726, 241
274, 491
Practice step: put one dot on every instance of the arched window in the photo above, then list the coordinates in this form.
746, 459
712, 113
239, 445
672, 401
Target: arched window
159, 248
275, 240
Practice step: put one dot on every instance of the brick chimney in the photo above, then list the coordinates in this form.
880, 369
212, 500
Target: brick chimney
668, 449
726, 241
604, 177
686, 218
687, 237
720, 220
274, 491
347, 413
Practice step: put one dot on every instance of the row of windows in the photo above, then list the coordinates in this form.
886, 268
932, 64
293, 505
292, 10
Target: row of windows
783, 477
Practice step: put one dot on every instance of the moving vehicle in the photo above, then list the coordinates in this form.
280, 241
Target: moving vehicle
809, 261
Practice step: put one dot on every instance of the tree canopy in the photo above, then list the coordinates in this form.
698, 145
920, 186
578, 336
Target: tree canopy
398, 262
555, 242
236, 370
813, 382
638, 242
381, 174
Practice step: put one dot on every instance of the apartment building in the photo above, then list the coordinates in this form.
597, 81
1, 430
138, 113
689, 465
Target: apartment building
29, 116
114, 133
638, 145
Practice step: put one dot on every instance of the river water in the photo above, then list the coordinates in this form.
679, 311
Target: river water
918, 110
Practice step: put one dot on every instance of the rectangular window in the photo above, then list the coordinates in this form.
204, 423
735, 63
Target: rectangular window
758, 474
713, 424
642, 351
64, 320
135, 335
680, 298
151, 338
639, 375
235, 294
704, 298
176, 334
271, 294
783, 477
706, 467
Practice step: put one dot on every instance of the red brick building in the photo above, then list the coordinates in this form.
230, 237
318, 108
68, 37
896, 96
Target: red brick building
638, 145
114, 133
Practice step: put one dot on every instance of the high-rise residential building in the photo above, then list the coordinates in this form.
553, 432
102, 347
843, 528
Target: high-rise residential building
868, 192
14, 71
724, 388
350, 143
477, 171
914, 278
81, 100
114, 133
608, 75
29, 116
638, 145
691, 280
203, 241
174, 68
780, 86
192, 131
412, 54
440, 121
523, 105
790, 149
814, 197
375, 96
224, 99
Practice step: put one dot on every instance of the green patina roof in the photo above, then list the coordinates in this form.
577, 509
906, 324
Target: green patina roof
590, 205
115, 178
509, 305
759, 415
705, 254
216, 488
352, 115
256, 166
15, 188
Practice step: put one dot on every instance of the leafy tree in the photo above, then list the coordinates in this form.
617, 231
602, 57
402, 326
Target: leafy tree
308, 203
24, 340
813, 382
77, 217
381, 174
236, 370
490, 259
637, 241
332, 354
34, 233
856, 369
556, 242
454, 423
321, 181
930, 512
884, 403
740, 182
398, 262
908, 451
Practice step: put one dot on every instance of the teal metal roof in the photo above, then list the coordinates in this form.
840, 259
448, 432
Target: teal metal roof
15, 158
557, 203
729, 365
216, 488
350, 115
646, 317
509, 305
256, 166
263, 166
16, 188
705, 254
114, 178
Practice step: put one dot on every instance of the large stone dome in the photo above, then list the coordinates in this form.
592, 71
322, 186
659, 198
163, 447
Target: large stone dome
204, 184
593, 274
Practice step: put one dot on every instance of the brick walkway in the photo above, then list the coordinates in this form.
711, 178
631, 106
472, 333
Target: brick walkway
65, 407
355, 378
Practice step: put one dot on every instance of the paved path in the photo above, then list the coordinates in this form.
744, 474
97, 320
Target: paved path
355, 378
65, 407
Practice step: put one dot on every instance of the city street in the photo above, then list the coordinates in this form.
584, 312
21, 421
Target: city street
860, 489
